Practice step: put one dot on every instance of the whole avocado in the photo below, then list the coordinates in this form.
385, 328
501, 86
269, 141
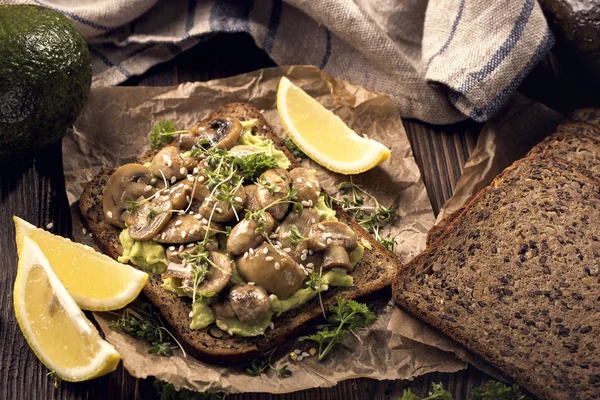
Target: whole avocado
45, 77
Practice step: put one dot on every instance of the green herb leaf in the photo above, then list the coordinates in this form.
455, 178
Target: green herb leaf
254, 164
55, 378
346, 315
162, 133
498, 391
295, 150
166, 391
437, 393
258, 366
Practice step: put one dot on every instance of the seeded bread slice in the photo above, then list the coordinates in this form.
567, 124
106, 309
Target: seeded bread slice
441, 227
589, 116
372, 274
516, 278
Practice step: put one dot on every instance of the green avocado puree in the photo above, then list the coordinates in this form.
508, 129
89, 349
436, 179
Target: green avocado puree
325, 213
250, 328
202, 315
267, 146
174, 285
333, 277
148, 255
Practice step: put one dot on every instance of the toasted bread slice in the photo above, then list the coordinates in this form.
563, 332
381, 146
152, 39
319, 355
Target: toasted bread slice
373, 273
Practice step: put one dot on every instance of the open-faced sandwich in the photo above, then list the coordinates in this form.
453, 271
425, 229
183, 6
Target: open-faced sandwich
243, 246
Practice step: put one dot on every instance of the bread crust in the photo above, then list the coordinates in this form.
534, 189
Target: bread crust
371, 275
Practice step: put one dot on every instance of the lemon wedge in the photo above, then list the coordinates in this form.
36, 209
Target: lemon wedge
95, 281
55, 328
323, 136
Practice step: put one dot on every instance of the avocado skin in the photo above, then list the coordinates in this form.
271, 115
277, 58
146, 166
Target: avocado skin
45, 77
576, 26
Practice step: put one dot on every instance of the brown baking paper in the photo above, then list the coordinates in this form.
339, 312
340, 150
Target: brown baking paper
113, 129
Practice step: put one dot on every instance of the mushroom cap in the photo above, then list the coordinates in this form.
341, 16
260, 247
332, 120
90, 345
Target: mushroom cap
218, 275
150, 218
223, 132
221, 210
168, 162
251, 202
249, 302
185, 228
323, 234
272, 269
306, 183
180, 195
127, 183
279, 178
303, 222
243, 236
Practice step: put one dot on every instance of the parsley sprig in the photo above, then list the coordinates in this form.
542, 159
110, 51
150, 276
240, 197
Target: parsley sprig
258, 366
162, 133
295, 150
167, 391
296, 236
143, 322
346, 316
490, 391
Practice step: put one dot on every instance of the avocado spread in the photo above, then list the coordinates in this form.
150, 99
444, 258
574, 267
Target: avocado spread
202, 315
174, 285
325, 213
334, 277
148, 255
267, 146
250, 328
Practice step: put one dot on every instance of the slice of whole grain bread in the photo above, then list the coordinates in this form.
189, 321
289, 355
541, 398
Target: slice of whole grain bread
372, 274
589, 116
515, 278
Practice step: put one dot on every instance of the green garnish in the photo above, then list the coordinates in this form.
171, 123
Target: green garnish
166, 391
371, 218
490, 391
255, 164
257, 367
345, 316
295, 236
55, 378
144, 323
162, 133
151, 214
291, 146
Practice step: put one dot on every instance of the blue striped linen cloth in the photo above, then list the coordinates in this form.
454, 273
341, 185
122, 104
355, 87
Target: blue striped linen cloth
441, 61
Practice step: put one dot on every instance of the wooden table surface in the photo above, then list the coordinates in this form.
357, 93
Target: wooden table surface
34, 190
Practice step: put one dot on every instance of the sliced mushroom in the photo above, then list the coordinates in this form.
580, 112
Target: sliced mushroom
276, 183
218, 274
220, 132
249, 302
223, 310
243, 236
302, 222
335, 239
221, 210
305, 181
180, 195
186, 228
168, 162
150, 218
251, 202
127, 183
272, 269
189, 162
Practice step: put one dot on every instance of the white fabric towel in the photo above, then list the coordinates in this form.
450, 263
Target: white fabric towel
440, 60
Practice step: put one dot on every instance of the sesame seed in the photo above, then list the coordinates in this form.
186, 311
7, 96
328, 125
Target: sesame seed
305, 354
250, 283
200, 179
108, 214
305, 272
182, 170
229, 332
310, 252
172, 248
195, 170
268, 258
90, 234
190, 245
219, 210
183, 234
310, 265
147, 188
321, 227
277, 266
272, 236
298, 351
178, 222
163, 235
245, 255
223, 326
173, 179
303, 257
251, 251
191, 213
308, 184
317, 193
181, 248
329, 241
287, 250
265, 250
238, 199
191, 314
310, 203
153, 181
305, 203
166, 158
198, 217
304, 251
277, 230
271, 325
272, 297
324, 287
204, 221
299, 180
187, 198
84, 231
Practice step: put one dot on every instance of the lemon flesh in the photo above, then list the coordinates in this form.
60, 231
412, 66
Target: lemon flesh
52, 323
95, 281
323, 136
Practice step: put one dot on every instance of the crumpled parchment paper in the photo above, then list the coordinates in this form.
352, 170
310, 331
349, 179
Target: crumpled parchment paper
113, 129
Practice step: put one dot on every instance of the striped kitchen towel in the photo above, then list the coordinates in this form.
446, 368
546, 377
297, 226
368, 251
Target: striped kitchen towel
440, 60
